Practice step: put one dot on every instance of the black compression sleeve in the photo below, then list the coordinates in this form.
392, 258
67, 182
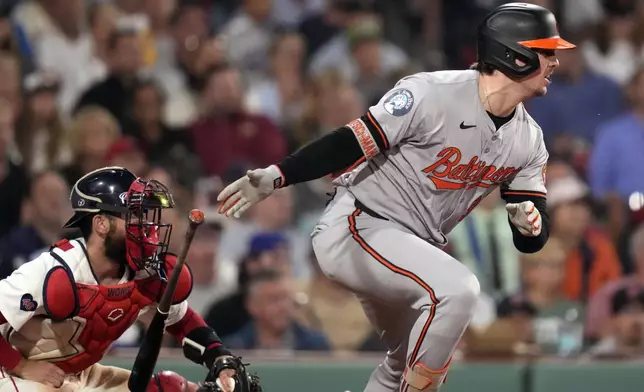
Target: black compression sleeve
525, 244
328, 154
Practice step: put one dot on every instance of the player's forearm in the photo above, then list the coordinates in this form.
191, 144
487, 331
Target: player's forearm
526, 244
9, 356
329, 154
200, 342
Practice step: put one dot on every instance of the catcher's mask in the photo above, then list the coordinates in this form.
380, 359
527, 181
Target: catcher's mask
146, 237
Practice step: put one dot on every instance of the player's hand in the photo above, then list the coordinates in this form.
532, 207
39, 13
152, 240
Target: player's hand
39, 371
226, 379
254, 187
525, 217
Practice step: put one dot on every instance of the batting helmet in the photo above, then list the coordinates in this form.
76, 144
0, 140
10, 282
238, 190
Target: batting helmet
510, 35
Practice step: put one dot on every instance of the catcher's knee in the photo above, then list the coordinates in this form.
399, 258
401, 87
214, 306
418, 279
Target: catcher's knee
420, 378
169, 381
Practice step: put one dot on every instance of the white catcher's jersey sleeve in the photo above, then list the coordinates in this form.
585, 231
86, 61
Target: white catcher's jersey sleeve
21, 293
396, 117
531, 180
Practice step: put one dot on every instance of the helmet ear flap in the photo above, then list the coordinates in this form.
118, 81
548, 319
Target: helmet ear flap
505, 55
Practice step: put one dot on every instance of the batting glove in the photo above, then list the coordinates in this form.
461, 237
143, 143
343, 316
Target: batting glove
249, 190
525, 217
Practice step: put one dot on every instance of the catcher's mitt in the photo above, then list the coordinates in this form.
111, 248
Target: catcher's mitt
244, 381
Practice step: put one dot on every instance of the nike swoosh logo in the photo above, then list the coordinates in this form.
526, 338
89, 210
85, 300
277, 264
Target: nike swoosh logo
463, 126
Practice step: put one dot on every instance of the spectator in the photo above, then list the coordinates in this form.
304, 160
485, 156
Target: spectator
599, 307
240, 137
13, 176
336, 312
275, 215
578, 100
158, 14
558, 168
161, 144
279, 97
365, 41
592, 260
626, 337
125, 55
478, 242
617, 150
48, 209
614, 51
102, 18
182, 65
336, 54
210, 285
291, 13
542, 295
125, 152
91, 134
331, 103
248, 35
67, 49
266, 253
42, 139
10, 84
319, 28
270, 304
14, 40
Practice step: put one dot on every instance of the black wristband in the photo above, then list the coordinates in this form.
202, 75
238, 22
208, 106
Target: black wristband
203, 346
522, 243
331, 153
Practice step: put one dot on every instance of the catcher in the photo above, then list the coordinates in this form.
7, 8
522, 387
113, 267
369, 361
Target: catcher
61, 312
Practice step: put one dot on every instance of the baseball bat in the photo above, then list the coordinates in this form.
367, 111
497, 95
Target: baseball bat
146, 359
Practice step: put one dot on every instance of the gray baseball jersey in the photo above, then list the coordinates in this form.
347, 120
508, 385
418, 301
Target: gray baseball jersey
432, 153
442, 154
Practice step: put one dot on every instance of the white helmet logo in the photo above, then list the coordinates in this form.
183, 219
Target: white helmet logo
81, 202
123, 197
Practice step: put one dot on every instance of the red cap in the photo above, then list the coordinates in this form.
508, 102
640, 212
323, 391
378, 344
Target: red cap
124, 145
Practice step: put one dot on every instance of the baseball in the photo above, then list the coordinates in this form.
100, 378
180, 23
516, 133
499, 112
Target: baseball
230, 382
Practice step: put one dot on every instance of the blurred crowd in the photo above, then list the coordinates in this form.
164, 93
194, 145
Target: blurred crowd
194, 93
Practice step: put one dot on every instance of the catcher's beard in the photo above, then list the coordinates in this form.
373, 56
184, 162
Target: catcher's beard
115, 247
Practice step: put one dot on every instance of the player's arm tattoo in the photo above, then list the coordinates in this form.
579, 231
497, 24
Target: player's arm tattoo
525, 244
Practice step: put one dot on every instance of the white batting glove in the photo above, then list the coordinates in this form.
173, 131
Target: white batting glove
254, 187
525, 217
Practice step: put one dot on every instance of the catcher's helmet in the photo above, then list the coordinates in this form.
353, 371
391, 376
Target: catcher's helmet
116, 191
513, 32
100, 190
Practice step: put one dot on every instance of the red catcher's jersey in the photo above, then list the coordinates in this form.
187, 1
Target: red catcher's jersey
56, 310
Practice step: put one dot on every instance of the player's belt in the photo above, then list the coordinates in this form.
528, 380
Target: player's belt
367, 210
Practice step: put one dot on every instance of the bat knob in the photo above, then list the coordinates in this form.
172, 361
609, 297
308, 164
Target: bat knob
197, 216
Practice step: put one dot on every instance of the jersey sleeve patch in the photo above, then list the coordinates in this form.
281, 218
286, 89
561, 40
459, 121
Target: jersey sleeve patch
399, 102
28, 303
366, 140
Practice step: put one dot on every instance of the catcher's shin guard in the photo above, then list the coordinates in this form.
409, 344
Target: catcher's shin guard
419, 378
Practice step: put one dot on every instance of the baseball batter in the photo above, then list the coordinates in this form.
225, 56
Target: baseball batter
421, 160
61, 312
